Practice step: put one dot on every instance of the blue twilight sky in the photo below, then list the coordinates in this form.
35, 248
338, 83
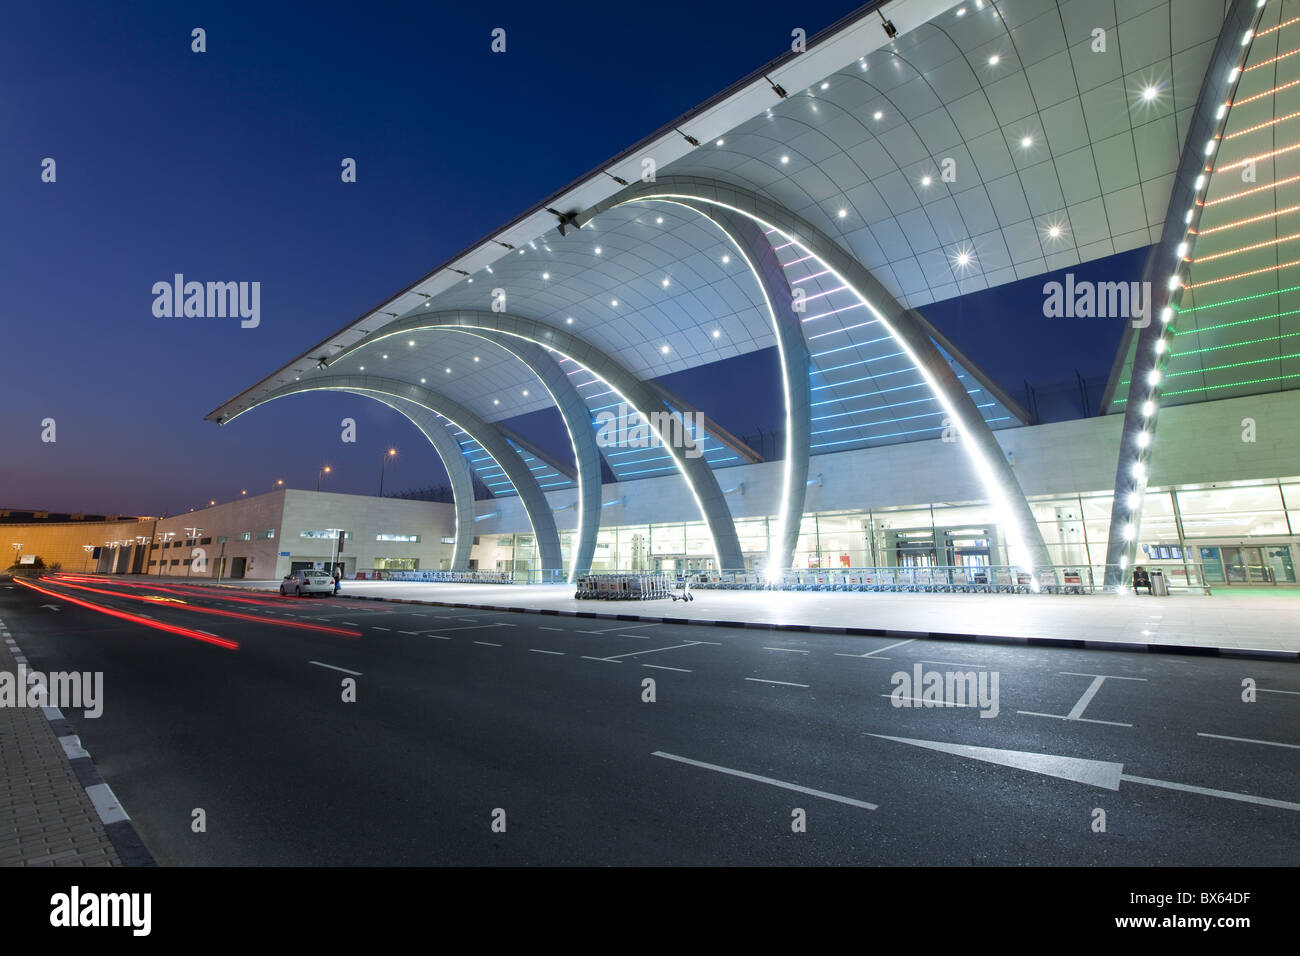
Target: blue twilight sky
225, 165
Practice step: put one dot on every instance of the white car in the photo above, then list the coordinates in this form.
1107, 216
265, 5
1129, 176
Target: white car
308, 581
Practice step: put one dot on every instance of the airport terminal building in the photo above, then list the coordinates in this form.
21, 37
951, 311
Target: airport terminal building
915, 152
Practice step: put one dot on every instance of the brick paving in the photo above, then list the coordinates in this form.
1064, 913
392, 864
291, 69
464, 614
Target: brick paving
46, 818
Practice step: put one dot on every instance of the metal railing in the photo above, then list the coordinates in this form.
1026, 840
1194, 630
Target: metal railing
960, 579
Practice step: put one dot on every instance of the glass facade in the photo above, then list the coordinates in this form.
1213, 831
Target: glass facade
1242, 533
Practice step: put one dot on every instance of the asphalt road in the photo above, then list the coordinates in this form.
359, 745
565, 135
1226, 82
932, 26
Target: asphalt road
461, 714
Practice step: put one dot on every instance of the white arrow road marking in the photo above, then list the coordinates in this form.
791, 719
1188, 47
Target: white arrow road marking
333, 668
880, 650
621, 627
467, 627
656, 650
1097, 773
768, 780
1247, 740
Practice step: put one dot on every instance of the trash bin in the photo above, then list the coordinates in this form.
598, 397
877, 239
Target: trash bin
1159, 584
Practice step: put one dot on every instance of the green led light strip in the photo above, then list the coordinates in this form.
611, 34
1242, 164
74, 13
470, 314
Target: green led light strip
1220, 368
1211, 388
1244, 298
1228, 325
1233, 345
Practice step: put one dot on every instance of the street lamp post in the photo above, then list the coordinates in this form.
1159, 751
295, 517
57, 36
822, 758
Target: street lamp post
166, 536
18, 552
320, 474
391, 453
190, 566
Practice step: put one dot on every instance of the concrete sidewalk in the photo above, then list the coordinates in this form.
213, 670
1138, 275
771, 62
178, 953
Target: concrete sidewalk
47, 817
1223, 621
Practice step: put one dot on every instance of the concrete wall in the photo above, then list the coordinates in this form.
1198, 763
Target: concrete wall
288, 513
62, 543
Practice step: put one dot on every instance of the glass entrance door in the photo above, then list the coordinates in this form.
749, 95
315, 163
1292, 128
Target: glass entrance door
1246, 566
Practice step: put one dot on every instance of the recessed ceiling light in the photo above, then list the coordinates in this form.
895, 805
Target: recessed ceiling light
664, 283
448, 371
663, 349
785, 159
925, 180
843, 213
569, 320
726, 259
362, 367
546, 275
878, 114
598, 250
717, 333
496, 401
1150, 93
659, 220
961, 11
1054, 232
825, 85
421, 381
963, 259
994, 60
475, 358
385, 357
411, 343
613, 303
720, 143
1026, 142
525, 393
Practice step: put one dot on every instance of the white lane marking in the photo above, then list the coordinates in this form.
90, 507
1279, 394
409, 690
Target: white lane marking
783, 683
607, 660
1102, 676
437, 637
381, 628
487, 643
1207, 792
656, 650
768, 780
861, 656
333, 668
621, 627
348, 623
788, 650
879, 650
550, 628
468, 627
930, 703
106, 804
1082, 720
1265, 690
1248, 740
665, 667
1082, 703
956, 664
538, 650
412, 633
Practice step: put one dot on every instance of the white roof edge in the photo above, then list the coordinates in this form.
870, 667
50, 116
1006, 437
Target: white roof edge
707, 123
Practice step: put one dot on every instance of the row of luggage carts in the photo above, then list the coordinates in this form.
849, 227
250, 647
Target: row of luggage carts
634, 586
934, 580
